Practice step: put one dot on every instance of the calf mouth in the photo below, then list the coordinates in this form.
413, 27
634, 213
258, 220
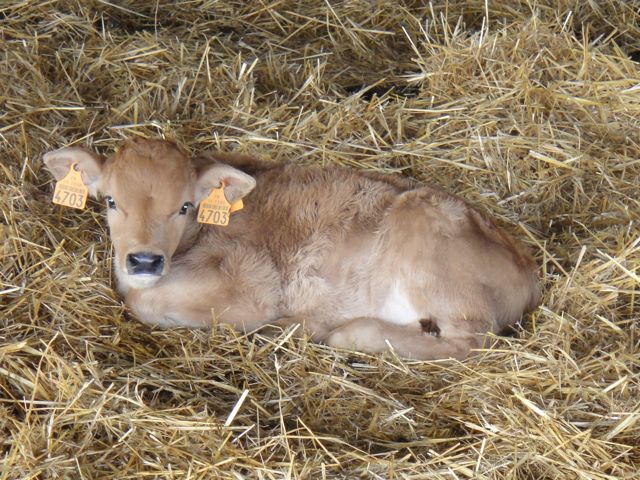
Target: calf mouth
142, 280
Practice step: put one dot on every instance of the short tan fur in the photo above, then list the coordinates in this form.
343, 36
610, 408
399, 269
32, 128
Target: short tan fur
364, 261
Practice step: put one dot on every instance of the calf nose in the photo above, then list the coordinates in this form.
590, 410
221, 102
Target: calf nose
144, 263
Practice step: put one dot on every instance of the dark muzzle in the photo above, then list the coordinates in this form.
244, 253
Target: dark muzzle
144, 263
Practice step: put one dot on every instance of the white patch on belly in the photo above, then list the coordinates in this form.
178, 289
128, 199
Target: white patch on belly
397, 309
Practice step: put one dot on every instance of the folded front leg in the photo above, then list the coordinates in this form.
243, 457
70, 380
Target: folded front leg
184, 300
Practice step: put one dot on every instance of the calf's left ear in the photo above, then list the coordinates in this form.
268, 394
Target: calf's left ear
237, 184
58, 162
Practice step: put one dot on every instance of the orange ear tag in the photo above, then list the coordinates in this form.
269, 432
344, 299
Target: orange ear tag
71, 190
237, 205
216, 210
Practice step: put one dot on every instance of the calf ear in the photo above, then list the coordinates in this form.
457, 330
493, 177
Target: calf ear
237, 183
58, 162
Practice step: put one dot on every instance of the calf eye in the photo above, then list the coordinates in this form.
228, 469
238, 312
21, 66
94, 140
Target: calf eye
185, 208
110, 202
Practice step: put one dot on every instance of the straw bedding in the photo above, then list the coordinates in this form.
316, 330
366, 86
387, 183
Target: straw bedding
531, 110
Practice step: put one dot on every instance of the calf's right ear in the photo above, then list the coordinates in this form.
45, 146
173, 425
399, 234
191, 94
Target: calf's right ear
58, 162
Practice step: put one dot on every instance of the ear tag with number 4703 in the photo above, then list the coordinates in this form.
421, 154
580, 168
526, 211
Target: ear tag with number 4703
71, 190
216, 209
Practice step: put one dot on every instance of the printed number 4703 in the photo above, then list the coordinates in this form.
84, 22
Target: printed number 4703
214, 216
69, 198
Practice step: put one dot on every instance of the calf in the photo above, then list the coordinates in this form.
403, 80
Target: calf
363, 261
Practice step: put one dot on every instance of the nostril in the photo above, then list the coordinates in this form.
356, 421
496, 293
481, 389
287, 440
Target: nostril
144, 263
157, 263
132, 260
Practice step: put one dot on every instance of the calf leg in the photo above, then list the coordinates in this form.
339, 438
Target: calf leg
370, 335
182, 300
163, 308
313, 327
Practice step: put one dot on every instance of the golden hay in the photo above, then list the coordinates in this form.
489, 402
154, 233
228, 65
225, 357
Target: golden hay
530, 109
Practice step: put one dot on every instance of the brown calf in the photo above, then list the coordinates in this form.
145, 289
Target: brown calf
364, 261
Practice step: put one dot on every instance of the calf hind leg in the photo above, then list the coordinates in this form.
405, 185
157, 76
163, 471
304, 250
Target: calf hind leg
372, 335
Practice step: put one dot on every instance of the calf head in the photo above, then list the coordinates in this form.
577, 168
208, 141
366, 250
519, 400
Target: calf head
151, 190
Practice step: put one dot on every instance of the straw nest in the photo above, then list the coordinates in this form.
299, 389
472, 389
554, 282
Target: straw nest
529, 109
